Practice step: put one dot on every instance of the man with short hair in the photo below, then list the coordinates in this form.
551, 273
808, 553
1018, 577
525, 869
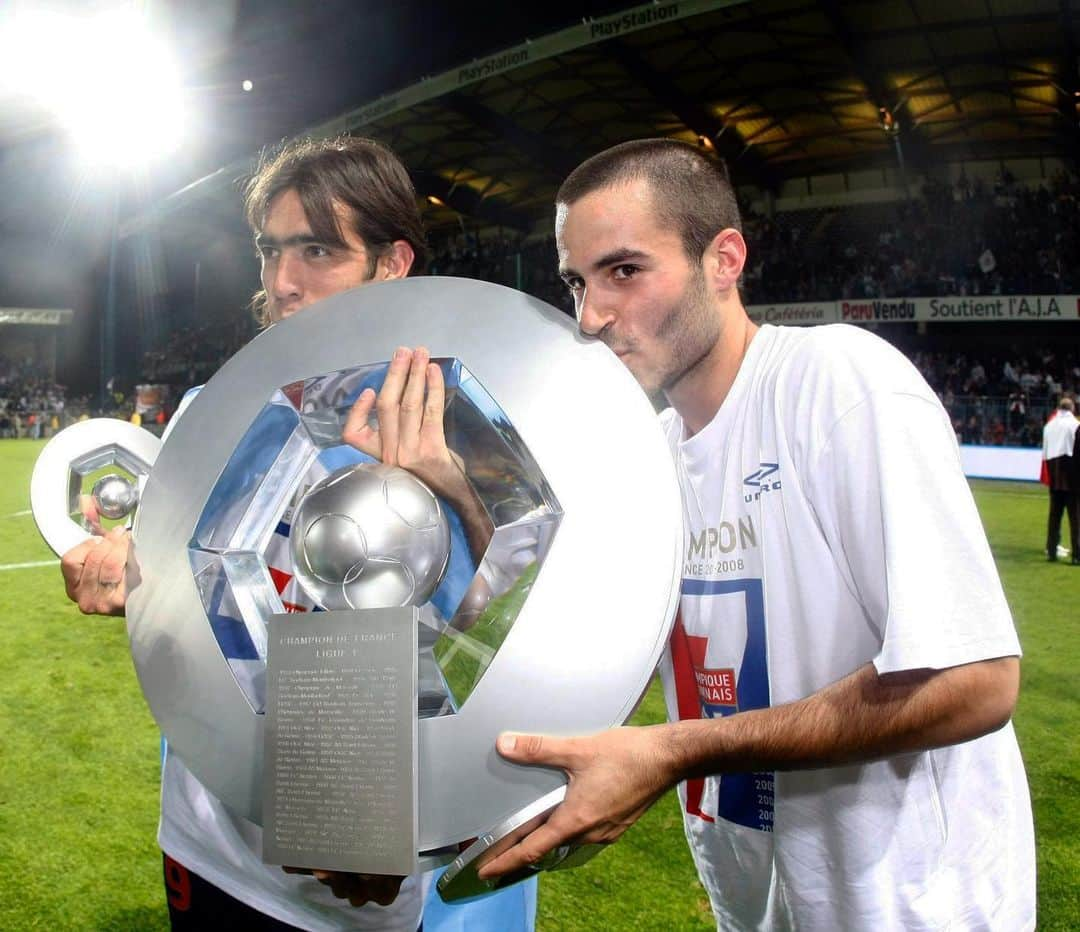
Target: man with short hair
844, 665
327, 215
1061, 451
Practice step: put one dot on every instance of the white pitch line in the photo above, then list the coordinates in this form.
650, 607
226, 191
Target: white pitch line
27, 566
19, 514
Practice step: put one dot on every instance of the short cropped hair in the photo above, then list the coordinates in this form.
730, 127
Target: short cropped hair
692, 191
361, 174
1066, 404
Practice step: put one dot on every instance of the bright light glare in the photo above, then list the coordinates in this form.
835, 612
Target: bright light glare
108, 81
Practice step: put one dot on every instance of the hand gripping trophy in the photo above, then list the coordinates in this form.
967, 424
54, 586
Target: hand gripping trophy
361, 735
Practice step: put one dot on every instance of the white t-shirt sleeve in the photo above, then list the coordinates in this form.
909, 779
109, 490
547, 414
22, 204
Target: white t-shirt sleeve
891, 495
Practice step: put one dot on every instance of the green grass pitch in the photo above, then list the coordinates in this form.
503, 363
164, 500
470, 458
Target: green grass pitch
79, 752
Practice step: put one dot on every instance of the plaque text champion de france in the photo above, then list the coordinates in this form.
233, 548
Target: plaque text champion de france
340, 741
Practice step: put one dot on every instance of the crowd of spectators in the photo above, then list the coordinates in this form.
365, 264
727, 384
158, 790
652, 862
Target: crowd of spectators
30, 402
32, 405
967, 238
525, 263
933, 246
191, 355
1001, 398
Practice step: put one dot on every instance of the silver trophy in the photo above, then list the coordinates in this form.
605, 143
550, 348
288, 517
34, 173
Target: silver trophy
556, 629
73, 456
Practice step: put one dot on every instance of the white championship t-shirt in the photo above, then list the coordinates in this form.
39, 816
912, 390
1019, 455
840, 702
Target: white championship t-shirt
830, 526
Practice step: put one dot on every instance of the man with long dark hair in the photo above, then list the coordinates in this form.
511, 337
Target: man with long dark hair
327, 215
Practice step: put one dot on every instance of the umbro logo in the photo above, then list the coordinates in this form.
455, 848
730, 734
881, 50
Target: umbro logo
766, 478
757, 477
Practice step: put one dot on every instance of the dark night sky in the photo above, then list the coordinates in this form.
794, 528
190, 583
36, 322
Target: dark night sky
308, 61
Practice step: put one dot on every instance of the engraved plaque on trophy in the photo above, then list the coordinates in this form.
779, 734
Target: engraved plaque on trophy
339, 782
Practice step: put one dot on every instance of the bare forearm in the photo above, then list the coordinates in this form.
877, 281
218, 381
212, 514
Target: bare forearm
447, 479
860, 718
475, 520
617, 774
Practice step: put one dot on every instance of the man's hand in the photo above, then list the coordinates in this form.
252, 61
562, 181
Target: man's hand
410, 434
358, 889
614, 777
94, 573
410, 429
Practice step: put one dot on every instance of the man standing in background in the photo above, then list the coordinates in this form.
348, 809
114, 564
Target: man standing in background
1061, 451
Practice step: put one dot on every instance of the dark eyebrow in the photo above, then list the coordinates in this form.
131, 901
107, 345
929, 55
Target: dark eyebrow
301, 239
615, 257
624, 254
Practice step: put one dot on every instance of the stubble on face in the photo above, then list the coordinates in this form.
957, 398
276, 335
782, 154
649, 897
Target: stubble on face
689, 332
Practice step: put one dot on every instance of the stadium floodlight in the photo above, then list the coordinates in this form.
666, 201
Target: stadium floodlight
105, 77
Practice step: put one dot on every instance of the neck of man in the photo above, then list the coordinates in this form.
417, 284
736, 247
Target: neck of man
701, 390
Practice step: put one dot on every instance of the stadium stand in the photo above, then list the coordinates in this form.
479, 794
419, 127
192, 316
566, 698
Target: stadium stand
31, 405
956, 239
965, 238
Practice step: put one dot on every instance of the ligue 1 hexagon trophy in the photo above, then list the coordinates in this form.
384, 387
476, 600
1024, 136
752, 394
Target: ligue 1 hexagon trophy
311, 630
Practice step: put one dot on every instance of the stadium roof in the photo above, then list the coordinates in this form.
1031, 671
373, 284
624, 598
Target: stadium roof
779, 88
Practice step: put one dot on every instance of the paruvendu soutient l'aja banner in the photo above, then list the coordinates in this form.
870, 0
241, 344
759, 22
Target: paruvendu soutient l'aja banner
953, 309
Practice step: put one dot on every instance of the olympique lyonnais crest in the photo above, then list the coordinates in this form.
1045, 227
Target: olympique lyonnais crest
716, 687
703, 689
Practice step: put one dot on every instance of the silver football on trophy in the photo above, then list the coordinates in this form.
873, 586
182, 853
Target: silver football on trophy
369, 536
115, 496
